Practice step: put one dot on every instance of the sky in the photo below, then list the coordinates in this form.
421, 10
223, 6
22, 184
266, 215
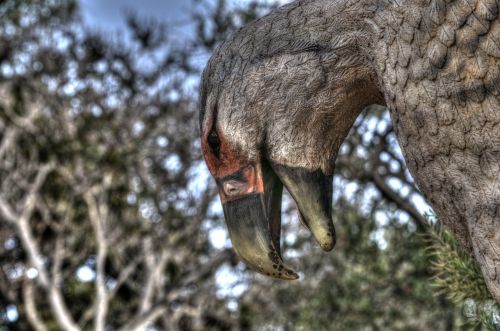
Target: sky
109, 14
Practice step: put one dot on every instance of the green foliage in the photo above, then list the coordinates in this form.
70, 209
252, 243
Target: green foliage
457, 277
456, 274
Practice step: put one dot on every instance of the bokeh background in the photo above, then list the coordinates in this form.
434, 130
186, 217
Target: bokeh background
109, 219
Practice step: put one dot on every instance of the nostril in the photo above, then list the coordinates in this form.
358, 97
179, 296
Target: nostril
233, 187
230, 188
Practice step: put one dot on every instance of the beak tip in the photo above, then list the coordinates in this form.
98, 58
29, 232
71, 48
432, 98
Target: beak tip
325, 238
281, 271
292, 275
285, 275
328, 245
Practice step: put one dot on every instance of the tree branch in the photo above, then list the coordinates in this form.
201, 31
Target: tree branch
30, 307
403, 204
97, 219
9, 138
143, 320
30, 245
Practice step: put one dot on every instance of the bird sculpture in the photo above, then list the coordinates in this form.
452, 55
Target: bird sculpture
279, 96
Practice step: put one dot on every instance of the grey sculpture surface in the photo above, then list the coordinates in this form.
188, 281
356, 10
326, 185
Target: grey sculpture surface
280, 95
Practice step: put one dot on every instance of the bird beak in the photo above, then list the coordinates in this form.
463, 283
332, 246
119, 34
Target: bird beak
252, 210
312, 192
251, 199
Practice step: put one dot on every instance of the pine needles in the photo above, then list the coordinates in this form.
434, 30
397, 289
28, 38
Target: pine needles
458, 278
455, 274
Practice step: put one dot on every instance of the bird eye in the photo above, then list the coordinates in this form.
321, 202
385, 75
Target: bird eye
214, 141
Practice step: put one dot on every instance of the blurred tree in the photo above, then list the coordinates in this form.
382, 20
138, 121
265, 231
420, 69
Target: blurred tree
105, 203
101, 228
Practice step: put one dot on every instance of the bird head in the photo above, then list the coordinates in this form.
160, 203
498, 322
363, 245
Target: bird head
274, 116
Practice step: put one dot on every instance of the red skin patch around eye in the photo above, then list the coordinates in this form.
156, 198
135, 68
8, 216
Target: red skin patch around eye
228, 163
